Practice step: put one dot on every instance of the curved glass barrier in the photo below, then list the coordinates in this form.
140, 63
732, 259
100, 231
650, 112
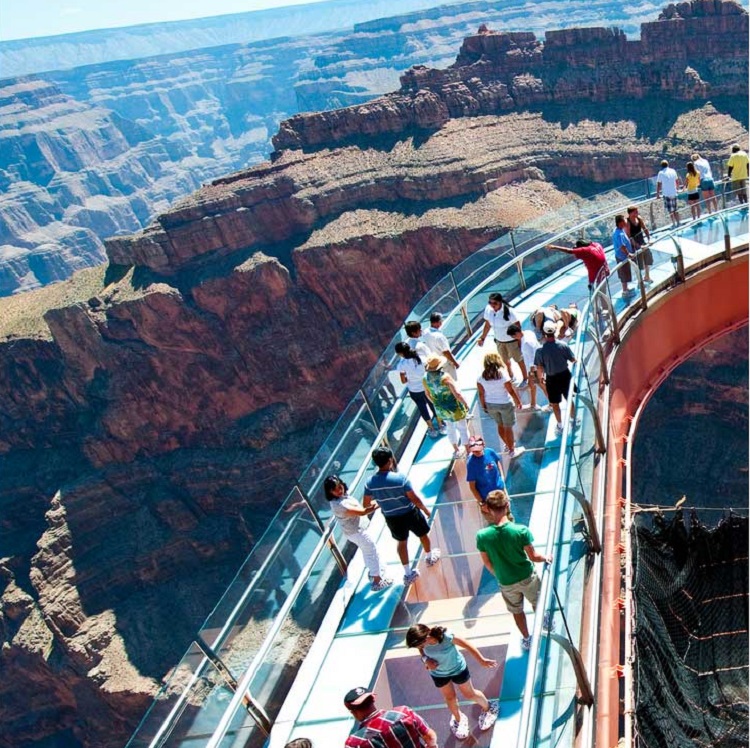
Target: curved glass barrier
286, 583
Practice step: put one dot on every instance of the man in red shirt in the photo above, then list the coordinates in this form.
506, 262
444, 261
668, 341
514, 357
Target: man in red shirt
398, 727
592, 255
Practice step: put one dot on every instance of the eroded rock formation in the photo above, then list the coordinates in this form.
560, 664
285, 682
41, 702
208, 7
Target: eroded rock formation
154, 411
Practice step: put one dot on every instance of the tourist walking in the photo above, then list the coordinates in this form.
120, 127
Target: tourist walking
623, 251
413, 330
450, 405
737, 168
667, 185
411, 371
551, 360
693, 186
499, 400
351, 518
529, 346
442, 658
708, 187
438, 344
484, 471
402, 508
639, 236
498, 314
397, 727
507, 551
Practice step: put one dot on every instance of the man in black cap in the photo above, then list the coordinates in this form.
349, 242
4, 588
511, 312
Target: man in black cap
399, 726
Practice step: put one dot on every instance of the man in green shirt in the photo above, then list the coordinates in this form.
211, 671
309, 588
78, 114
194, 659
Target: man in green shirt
507, 551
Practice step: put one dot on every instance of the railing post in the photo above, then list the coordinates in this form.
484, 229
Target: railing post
513, 242
679, 261
253, 708
520, 275
582, 679
461, 305
600, 446
641, 284
338, 556
603, 376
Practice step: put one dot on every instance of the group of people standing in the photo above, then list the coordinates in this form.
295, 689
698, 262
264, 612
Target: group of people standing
428, 368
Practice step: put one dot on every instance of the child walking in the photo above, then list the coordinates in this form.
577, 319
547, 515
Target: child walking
447, 666
349, 512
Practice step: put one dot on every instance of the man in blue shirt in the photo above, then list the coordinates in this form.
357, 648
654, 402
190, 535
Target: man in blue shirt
551, 361
623, 249
403, 510
483, 470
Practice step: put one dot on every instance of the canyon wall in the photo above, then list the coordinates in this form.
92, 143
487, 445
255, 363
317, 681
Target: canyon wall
174, 121
154, 411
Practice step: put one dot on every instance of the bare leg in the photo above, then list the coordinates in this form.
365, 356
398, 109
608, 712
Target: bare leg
520, 619
449, 694
506, 434
403, 552
425, 541
522, 366
532, 394
556, 411
472, 694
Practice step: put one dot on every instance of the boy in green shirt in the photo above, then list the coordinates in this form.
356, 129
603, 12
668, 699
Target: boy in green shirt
507, 551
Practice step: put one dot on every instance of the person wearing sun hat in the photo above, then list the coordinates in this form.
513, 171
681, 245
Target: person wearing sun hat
450, 404
397, 727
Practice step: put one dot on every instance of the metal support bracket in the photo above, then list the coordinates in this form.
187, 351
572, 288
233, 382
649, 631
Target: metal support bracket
599, 433
593, 541
584, 685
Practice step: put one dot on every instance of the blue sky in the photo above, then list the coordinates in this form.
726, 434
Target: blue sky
22, 19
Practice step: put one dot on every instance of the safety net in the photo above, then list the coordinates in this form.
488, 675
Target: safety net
690, 591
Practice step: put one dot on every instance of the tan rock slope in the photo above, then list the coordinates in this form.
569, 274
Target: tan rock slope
153, 412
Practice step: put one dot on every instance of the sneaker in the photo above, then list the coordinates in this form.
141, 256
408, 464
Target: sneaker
383, 584
411, 577
443, 430
516, 452
526, 643
460, 729
488, 718
432, 557
459, 453
559, 428
433, 433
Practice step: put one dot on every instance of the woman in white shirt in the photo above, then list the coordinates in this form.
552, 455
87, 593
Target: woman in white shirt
499, 399
411, 370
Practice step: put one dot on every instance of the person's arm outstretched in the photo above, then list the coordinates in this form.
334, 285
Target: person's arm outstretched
478, 656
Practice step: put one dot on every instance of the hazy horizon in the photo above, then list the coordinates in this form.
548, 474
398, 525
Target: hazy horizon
31, 19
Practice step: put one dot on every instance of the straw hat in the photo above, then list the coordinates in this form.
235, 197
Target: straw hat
434, 362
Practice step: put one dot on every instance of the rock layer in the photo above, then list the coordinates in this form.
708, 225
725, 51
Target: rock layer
154, 411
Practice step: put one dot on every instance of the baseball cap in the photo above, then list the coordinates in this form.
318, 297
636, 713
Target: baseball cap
549, 327
357, 695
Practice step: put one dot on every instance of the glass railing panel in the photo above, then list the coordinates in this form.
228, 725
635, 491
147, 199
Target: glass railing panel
482, 263
402, 426
508, 283
442, 297
340, 453
262, 585
454, 328
540, 263
551, 732
195, 695
279, 667
354, 449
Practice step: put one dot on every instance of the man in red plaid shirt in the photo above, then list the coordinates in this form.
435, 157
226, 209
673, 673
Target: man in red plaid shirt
398, 727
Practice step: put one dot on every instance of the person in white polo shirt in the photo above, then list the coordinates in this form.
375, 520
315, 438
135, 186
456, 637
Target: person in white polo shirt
498, 315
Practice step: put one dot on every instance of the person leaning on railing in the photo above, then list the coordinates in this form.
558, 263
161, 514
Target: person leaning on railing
591, 254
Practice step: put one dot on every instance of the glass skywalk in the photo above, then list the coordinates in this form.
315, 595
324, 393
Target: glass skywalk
287, 622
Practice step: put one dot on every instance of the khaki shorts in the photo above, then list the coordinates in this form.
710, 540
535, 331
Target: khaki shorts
513, 594
509, 350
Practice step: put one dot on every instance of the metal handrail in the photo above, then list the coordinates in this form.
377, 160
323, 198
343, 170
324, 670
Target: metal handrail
388, 420
526, 737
